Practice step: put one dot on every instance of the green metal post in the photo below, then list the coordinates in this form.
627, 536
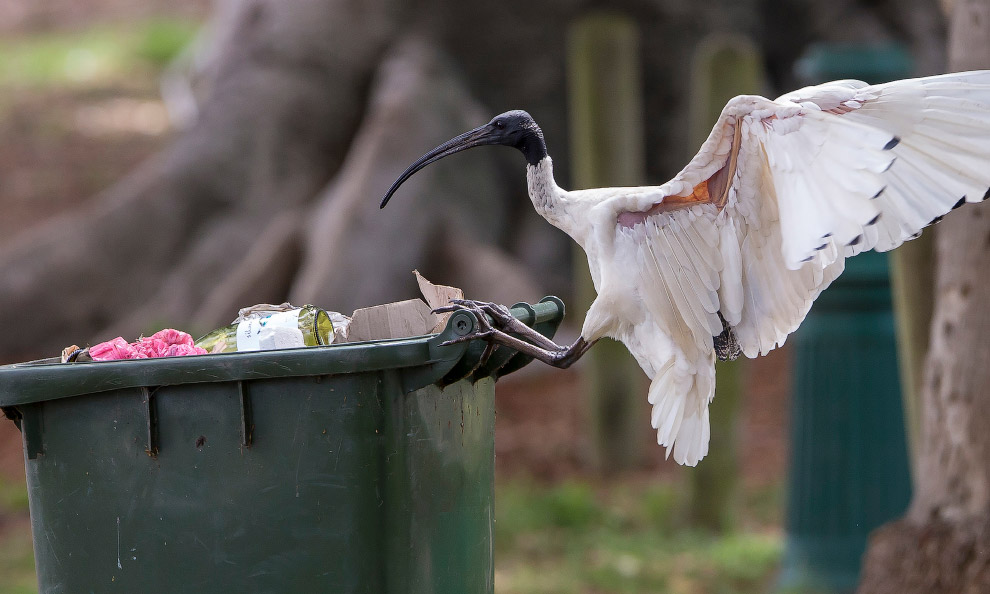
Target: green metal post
724, 66
607, 135
849, 464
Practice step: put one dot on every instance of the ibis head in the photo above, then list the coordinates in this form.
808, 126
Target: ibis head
514, 128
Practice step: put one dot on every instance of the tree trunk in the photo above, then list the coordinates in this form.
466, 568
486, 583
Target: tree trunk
943, 544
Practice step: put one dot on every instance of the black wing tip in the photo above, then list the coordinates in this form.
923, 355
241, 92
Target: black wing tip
855, 240
892, 143
960, 203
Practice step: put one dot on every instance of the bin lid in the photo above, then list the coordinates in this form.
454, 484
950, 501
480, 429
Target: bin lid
422, 359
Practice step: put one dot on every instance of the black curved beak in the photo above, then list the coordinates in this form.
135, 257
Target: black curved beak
477, 137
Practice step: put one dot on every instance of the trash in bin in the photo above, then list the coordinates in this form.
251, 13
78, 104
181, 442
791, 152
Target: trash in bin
266, 327
164, 343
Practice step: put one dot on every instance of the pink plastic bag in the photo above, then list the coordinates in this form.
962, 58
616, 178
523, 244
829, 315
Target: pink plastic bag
164, 343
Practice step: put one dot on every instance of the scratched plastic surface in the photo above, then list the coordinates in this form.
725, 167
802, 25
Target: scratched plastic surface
349, 468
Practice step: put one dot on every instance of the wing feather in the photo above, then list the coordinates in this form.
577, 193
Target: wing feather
928, 174
730, 286
690, 279
677, 273
705, 267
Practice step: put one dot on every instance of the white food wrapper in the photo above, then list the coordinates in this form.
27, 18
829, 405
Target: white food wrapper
275, 330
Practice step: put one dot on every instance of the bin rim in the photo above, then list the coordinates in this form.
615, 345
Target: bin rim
422, 359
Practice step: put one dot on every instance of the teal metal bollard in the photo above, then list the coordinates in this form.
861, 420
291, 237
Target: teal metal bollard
353, 468
849, 469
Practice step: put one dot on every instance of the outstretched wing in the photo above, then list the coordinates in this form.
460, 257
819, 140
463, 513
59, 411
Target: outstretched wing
788, 189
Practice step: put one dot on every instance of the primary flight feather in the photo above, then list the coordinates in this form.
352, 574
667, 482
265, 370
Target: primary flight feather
729, 255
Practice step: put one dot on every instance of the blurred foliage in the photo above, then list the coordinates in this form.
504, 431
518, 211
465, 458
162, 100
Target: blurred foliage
16, 552
107, 52
13, 496
161, 41
17, 563
628, 537
624, 537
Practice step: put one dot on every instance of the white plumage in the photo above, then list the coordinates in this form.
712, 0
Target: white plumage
761, 221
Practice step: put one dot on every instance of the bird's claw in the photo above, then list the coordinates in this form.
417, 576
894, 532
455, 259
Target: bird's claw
499, 314
485, 330
476, 335
482, 335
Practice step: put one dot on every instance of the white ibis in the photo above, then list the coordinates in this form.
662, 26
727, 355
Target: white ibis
728, 256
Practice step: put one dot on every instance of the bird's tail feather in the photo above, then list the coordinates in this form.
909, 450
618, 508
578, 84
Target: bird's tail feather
680, 400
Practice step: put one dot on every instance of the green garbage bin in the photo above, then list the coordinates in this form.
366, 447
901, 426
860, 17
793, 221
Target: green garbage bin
362, 467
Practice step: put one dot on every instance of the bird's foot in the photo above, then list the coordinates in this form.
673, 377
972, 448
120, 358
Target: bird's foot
501, 319
497, 332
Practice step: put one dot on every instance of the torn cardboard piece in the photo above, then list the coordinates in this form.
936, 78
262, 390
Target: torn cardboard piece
437, 296
403, 319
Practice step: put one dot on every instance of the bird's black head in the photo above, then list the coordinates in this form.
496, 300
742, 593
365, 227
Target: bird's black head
517, 129
514, 128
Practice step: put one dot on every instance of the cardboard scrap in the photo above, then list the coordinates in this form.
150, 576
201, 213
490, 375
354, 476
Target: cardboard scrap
402, 319
437, 296
391, 320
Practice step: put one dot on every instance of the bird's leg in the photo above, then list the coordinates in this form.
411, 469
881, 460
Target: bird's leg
573, 353
502, 318
544, 349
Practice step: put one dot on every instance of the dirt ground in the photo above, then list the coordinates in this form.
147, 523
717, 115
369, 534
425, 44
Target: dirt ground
51, 163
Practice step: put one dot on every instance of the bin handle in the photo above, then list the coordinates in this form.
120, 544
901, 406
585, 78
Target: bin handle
544, 316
